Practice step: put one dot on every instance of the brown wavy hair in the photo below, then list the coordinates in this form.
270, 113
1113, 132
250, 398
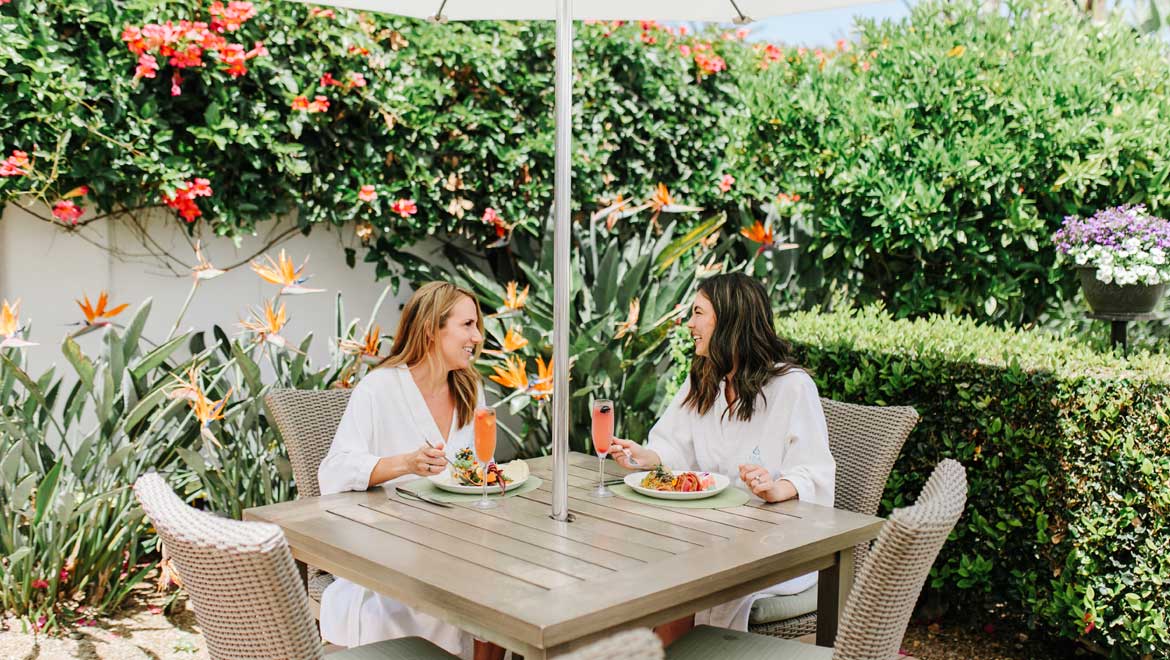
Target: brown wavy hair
744, 344
423, 316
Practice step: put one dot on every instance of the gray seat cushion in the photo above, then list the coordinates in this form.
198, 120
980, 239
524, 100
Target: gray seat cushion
403, 648
708, 643
782, 608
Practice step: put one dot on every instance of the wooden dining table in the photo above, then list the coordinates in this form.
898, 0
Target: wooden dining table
541, 587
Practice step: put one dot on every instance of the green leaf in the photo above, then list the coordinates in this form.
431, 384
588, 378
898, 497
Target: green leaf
687, 242
46, 490
155, 358
81, 364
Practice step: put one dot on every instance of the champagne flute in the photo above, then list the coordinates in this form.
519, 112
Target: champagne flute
485, 449
602, 440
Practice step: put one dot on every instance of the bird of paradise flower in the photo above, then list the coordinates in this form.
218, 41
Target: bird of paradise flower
513, 341
514, 375
514, 300
267, 325
283, 273
364, 350
97, 316
630, 325
10, 326
762, 233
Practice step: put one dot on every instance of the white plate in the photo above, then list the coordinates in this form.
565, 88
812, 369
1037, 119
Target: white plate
446, 482
634, 481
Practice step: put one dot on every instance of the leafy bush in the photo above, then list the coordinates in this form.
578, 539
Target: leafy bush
1067, 454
939, 153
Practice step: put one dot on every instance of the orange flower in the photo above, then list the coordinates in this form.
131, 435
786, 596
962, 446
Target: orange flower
188, 389
513, 374
268, 328
98, 315
631, 323
367, 348
515, 301
282, 272
207, 411
543, 386
10, 325
663, 202
513, 340
759, 233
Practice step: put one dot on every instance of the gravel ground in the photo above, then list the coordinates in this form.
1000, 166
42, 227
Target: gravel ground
141, 631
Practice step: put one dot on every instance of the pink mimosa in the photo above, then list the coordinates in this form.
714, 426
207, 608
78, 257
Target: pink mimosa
602, 440
485, 450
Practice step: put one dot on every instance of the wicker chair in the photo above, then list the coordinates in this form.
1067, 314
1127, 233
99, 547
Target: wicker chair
636, 644
883, 598
244, 585
307, 421
865, 441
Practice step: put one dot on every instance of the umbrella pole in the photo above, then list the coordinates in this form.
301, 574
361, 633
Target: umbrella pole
562, 202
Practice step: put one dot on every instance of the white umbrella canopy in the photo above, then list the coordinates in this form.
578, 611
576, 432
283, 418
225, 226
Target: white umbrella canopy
564, 12
736, 11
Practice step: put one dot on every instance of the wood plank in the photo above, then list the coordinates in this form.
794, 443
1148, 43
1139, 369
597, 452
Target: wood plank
545, 539
491, 561
499, 541
601, 509
833, 587
594, 532
413, 574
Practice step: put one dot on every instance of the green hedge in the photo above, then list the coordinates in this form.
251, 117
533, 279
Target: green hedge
1068, 459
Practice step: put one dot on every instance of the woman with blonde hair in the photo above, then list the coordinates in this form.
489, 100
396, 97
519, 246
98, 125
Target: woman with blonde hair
402, 420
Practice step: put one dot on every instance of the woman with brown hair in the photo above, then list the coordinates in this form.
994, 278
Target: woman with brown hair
748, 412
403, 420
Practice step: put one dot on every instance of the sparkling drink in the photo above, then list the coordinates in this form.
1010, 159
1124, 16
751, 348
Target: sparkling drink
602, 440
485, 450
602, 427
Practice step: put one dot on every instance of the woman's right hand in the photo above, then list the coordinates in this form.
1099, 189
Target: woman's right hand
426, 461
643, 458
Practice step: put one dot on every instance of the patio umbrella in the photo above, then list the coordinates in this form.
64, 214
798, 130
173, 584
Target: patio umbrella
564, 13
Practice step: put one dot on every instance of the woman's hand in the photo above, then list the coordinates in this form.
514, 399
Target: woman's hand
623, 450
426, 461
759, 480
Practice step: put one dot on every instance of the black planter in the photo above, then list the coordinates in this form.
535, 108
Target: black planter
1117, 299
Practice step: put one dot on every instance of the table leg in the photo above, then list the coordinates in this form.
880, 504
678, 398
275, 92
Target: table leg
833, 588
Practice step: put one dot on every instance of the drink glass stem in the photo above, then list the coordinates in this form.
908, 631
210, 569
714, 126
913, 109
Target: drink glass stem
601, 468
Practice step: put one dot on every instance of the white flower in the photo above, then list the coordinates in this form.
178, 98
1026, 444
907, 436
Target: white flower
1105, 274
1082, 258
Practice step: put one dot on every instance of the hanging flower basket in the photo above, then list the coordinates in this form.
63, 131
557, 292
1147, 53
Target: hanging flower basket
1121, 257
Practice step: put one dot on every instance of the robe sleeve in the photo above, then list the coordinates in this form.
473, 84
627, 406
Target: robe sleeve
671, 437
351, 459
805, 459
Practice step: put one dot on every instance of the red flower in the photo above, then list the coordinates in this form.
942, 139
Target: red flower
147, 66
367, 194
40, 584
319, 104
230, 18
327, 80
183, 199
64, 577
67, 211
133, 38
404, 207
357, 80
865, 65
725, 183
685, 50
492, 217
176, 81
317, 12
300, 103
15, 164
709, 64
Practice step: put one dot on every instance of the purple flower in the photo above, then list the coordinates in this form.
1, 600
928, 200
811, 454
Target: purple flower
1113, 228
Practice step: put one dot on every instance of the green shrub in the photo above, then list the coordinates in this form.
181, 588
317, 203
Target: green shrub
1067, 454
939, 153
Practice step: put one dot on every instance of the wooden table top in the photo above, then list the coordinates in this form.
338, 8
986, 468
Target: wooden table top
514, 576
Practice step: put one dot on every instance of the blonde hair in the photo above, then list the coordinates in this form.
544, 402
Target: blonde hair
423, 316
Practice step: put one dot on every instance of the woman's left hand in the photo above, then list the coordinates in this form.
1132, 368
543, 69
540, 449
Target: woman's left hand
757, 478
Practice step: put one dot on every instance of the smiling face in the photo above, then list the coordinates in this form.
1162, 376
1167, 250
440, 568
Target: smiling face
701, 323
459, 338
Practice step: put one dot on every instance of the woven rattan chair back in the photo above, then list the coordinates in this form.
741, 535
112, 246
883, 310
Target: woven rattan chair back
636, 644
865, 441
307, 421
240, 577
883, 598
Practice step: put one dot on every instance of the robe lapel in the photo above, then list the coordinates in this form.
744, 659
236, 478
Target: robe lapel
417, 408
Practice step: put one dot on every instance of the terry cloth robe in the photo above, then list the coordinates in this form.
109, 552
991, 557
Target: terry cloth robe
386, 415
787, 435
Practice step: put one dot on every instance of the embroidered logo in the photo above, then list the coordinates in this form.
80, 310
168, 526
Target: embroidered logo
756, 458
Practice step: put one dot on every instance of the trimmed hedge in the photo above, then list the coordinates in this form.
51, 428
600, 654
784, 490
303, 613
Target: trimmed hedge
1068, 457
1067, 454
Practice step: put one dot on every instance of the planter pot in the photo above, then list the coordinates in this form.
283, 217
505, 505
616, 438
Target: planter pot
1119, 299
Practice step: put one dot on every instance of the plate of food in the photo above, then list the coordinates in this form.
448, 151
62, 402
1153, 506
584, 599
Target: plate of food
465, 475
663, 483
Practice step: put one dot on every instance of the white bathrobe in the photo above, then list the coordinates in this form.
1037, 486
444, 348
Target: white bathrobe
386, 415
787, 435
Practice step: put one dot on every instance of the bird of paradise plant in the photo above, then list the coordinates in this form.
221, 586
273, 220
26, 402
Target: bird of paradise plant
267, 327
283, 273
10, 326
364, 351
513, 341
97, 316
631, 323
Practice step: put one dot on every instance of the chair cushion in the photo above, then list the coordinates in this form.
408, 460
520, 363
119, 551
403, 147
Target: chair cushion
706, 642
403, 648
782, 608
318, 584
